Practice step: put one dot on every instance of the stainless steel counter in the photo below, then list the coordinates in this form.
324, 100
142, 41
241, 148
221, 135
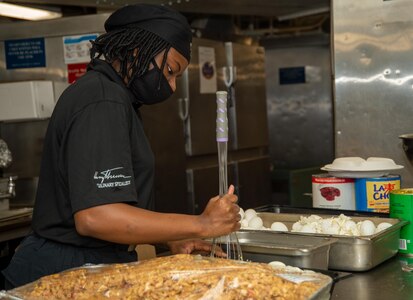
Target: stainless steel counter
14, 223
386, 281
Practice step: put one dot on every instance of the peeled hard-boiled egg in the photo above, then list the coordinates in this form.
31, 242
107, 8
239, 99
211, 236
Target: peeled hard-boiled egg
279, 226
349, 225
326, 224
383, 226
333, 229
249, 214
308, 229
255, 223
277, 264
297, 227
367, 227
292, 269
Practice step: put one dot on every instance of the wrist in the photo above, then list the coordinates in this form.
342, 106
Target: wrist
201, 227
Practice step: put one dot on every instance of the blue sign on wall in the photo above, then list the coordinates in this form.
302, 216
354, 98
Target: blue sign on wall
25, 53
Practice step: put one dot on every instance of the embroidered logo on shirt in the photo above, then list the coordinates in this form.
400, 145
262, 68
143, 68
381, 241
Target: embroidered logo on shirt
111, 178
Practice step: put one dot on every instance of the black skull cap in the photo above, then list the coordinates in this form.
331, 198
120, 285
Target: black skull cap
163, 21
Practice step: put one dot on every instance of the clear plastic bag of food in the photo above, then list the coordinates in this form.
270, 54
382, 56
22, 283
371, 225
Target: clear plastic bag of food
177, 277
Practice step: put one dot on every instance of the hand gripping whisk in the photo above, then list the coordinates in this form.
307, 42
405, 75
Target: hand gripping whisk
229, 243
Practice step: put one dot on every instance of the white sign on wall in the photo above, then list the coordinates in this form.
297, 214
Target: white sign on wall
207, 70
76, 48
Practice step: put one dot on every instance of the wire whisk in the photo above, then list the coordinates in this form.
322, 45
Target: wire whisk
228, 243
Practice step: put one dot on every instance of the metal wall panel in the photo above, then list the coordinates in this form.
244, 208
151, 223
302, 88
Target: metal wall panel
25, 141
300, 114
250, 97
254, 182
163, 128
373, 67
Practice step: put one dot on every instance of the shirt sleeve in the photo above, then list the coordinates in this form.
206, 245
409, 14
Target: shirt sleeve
99, 163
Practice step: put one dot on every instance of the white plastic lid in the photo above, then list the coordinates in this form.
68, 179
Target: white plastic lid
360, 164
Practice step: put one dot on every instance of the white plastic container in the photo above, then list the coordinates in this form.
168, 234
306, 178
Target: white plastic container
27, 100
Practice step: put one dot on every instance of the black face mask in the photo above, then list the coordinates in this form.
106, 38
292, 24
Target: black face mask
152, 87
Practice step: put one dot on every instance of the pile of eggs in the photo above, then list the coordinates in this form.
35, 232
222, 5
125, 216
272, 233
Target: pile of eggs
250, 220
341, 225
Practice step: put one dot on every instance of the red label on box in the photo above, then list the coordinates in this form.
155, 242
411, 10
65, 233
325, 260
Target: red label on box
75, 71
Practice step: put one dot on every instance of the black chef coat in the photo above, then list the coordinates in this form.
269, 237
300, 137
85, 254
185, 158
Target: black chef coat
95, 153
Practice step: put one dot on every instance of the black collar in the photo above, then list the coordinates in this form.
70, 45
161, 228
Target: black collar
106, 69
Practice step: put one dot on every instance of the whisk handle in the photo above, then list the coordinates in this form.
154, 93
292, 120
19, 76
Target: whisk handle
222, 118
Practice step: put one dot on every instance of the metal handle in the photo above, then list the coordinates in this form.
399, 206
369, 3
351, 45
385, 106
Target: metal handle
222, 118
229, 54
222, 139
184, 107
230, 71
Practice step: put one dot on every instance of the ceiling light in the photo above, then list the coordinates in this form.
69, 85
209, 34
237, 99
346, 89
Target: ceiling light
27, 13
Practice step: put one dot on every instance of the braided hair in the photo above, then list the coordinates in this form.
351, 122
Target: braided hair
121, 43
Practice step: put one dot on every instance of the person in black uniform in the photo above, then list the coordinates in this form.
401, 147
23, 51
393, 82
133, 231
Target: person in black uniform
94, 195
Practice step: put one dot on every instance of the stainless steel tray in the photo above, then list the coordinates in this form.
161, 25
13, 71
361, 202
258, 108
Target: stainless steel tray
324, 291
350, 253
299, 251
8, 296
